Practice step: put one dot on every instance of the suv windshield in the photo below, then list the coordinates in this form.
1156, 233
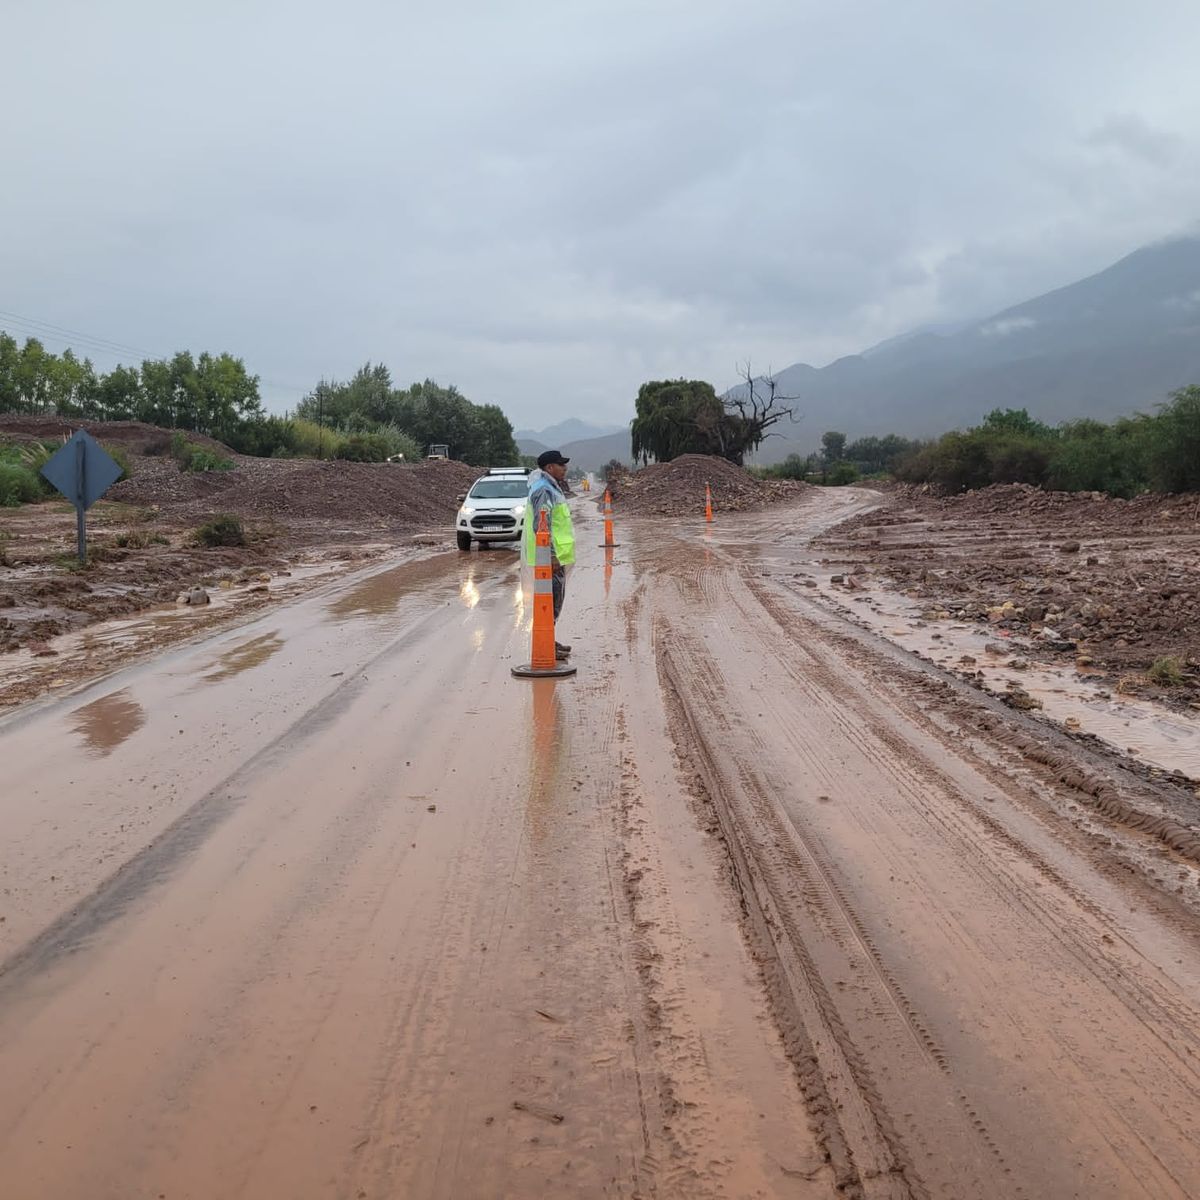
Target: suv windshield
499, 489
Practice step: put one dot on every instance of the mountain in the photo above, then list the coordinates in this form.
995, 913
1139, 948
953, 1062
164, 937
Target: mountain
571, 430
590, 454
1117, 342
587, 446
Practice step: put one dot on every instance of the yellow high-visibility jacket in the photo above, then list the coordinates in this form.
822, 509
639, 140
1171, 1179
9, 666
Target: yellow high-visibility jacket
546, 496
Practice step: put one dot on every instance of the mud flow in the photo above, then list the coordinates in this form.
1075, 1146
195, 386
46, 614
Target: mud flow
759, 904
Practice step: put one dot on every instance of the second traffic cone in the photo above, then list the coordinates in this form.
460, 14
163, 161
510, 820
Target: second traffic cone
609, 540
543, 662
708, 503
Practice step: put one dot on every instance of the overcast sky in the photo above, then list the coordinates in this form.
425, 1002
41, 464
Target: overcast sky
548, 202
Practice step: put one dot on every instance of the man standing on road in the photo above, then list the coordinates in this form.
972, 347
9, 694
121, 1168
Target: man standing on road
547, 494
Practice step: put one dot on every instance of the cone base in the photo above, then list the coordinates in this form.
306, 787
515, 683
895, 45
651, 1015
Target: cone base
609, 545
530, 672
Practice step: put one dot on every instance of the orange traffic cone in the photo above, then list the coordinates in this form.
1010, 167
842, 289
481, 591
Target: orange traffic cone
608, 524
708, 503
542, 660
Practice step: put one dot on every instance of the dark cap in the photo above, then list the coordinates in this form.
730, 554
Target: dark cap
551, 456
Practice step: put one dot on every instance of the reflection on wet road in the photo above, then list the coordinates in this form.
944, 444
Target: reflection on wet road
105, 723
244, 657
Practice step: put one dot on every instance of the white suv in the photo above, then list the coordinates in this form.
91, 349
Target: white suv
494, 509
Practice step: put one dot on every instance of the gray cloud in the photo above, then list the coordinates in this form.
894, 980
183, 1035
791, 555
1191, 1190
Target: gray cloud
548, 203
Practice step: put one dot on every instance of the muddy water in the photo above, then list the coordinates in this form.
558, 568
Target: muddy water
332, 906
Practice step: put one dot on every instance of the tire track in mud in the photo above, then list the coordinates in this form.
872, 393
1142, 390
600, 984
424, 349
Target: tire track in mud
1062, 763
851, 1119
925, 689
794, 898
1142, 996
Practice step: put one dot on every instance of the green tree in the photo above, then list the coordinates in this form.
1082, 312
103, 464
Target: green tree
495, 443
10, 374
686, 416
156, 399
833, 446
1172, 443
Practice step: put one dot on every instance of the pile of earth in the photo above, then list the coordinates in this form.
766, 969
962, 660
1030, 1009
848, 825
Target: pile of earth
1113, 584
134, 437
387, 493
1090, 510
676, 488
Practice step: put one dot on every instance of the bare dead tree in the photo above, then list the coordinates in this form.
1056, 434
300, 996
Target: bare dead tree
761, 406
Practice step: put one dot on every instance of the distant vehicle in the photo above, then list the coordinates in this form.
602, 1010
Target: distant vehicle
438, 452
395, 458
494, 509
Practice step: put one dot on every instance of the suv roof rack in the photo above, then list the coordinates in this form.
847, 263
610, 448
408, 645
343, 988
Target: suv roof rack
508, 471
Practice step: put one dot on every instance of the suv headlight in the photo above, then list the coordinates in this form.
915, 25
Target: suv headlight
518, 510
467, 509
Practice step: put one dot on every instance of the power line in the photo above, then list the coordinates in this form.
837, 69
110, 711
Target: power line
35, 327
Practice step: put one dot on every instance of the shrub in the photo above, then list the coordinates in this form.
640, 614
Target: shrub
120, 458
192, 457
399, 442
1167, 671
1171, 443
19, 485
223, 530
792, 467
364, 447
841, 473
310, 440
266, 437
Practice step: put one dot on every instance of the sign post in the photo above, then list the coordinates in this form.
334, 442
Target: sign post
83, 472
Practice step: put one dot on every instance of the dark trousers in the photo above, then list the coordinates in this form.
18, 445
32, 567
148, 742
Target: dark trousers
558, 580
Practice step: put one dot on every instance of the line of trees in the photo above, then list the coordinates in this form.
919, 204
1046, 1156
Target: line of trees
426, 412
840, 462
365, 418
212, 394
1157, 452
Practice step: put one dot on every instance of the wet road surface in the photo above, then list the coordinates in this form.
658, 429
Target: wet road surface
331, 906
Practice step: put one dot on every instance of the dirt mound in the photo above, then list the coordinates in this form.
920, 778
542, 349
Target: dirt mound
134, 436
1117, 582
341, 491
1005, 500
676, 488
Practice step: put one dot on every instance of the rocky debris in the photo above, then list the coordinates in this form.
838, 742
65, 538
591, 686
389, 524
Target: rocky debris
194, 596
1018, 698
676, 488
1008, 559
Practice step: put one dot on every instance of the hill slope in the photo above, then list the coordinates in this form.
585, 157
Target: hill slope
1113, 343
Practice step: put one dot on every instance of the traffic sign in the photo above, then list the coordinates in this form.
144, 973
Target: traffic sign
83, 472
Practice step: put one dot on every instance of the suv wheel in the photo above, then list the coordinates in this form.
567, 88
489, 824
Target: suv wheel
464, 541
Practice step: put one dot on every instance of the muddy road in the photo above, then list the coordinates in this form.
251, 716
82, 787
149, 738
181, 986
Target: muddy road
755, 906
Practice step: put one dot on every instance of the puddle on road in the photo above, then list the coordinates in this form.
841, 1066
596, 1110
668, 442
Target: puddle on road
105, 723
1150, 733
380, 595
243, 657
